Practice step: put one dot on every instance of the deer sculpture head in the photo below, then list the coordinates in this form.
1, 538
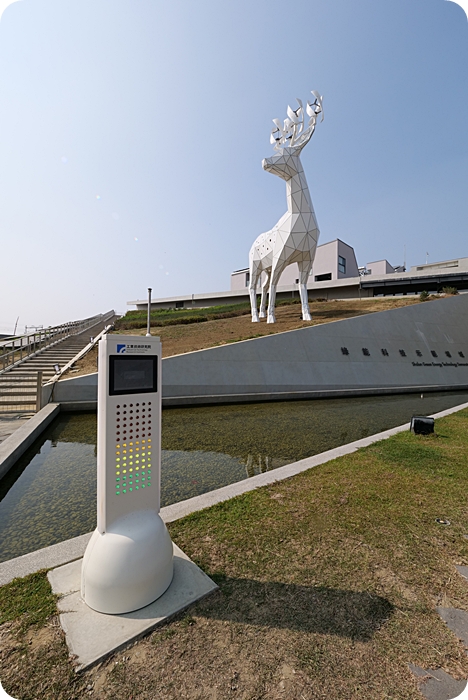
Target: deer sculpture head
290, 138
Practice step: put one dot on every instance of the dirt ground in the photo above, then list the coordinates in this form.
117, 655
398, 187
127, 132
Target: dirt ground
180, 339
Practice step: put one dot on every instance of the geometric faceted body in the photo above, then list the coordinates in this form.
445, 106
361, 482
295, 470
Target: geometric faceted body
128, 561
294, 238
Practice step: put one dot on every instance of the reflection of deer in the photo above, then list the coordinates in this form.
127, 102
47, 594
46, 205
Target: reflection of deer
263, 465
294, 238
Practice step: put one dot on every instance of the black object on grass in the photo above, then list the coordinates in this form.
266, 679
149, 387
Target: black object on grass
422, 425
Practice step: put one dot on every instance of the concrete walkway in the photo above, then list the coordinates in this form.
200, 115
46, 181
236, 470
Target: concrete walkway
8, 424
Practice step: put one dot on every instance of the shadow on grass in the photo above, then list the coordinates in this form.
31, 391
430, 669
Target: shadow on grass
320, 610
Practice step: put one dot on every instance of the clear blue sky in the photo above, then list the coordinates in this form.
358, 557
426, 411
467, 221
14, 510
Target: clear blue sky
163, 110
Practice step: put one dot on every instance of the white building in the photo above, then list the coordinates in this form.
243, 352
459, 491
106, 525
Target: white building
335, 275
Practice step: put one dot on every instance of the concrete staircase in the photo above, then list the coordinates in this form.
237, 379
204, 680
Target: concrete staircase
19, 386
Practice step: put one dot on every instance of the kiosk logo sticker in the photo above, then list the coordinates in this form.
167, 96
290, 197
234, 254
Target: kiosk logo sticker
137, 349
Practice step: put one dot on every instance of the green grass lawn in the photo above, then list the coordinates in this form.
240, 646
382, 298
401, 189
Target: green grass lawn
328, 587
175, 317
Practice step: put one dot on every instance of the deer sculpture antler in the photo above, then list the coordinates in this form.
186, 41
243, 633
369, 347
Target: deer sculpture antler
292, 133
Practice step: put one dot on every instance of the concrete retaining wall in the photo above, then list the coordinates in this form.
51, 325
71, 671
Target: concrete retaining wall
344, 355
337, 359
16, 444
83, 388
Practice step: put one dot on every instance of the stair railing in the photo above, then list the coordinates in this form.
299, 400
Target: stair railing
14, 351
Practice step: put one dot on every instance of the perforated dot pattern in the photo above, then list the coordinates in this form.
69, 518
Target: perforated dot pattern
133, 461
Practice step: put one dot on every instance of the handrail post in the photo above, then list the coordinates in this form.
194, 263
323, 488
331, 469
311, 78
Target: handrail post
39, 391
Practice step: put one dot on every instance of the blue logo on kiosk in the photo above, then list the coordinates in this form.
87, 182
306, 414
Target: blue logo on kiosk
133, 349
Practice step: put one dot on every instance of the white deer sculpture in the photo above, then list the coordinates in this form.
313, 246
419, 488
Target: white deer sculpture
294, 238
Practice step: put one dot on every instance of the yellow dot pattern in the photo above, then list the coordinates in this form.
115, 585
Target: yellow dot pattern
133, 466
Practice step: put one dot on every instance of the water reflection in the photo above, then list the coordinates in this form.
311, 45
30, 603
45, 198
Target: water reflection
50, 494
51, 500
259, 464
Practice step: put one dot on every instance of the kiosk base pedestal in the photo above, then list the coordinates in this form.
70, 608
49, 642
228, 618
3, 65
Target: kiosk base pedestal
128, 567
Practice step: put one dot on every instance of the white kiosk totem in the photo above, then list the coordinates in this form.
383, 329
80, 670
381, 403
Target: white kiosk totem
129, 560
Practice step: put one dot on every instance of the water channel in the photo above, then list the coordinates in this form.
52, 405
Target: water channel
50, 494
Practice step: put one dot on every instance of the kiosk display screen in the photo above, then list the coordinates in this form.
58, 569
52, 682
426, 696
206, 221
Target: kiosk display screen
133, 375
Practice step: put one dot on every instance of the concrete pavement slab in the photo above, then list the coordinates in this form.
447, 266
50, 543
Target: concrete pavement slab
463, 570
92, 636
457, 620
9, 424
438, 685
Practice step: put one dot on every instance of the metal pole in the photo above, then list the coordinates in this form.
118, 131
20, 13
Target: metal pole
148, 327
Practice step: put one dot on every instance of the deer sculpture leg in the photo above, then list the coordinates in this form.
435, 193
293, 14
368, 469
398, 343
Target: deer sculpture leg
274, 279
265, 285
304, 269
254, 275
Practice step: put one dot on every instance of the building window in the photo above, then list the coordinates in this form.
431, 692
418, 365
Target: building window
323, 278
460, 353
247, 279
433, 353
419, 353
345, 351
341, 264
384, 352
179, 304
402, 353
448, 354
366, 352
